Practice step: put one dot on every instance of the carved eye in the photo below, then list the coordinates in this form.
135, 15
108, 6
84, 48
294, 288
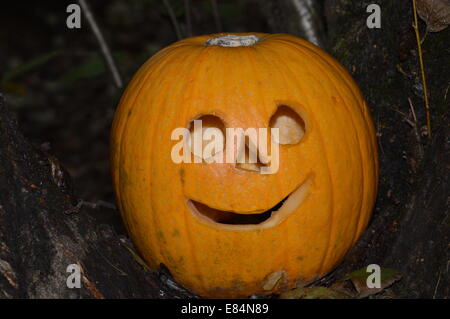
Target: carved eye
206, 131
291, 126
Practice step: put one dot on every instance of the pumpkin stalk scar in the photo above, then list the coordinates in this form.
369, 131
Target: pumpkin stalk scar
249, 221
233, 41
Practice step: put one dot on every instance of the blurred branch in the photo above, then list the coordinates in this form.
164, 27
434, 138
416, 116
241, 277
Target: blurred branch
34, 63
299, 17
173, 18
215, 10
309, 19
101, 41
187, 13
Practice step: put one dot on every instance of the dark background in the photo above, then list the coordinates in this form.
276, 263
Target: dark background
68, 97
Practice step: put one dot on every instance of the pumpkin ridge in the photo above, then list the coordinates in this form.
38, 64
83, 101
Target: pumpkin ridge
163, 62
343, 75
294, 46
327, 164
356, 128
315, 53
351, 84
193, 75
117, 156
251, 62
287, 255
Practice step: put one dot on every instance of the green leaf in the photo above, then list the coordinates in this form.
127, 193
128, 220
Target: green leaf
89, 68
359, 280
313, 293
34, 63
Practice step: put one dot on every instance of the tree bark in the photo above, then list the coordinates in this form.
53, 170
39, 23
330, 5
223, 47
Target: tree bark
42, 232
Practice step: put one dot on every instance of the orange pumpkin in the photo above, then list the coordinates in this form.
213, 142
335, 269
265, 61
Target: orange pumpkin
224, 229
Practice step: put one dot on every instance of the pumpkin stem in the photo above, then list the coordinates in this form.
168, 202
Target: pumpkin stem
233, 41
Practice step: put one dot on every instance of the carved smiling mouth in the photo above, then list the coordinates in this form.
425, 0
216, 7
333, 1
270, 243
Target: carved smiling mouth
250, 221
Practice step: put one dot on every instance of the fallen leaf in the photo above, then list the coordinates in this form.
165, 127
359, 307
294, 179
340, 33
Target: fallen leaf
271, 281
346, 287
313, 293
435, 13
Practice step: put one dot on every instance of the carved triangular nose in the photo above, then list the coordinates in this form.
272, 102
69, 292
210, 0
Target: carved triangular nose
248, 157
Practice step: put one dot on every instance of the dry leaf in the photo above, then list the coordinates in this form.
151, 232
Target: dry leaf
274, 279
346, 287
435, 13
313, 293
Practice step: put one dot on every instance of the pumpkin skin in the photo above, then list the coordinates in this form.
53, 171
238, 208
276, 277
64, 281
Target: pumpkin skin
335, 164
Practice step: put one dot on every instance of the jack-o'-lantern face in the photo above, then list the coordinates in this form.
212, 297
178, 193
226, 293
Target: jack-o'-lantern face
230, 229
234, 208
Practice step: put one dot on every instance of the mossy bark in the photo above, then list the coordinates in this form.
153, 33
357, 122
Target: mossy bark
410, 227
41, 233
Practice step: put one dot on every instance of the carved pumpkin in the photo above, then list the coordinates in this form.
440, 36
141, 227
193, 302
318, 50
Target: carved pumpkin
225, 229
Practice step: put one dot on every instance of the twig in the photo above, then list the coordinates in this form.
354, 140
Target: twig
215, 10
437, 285
187, 13
400, 69
121, 272
379, 134
98, 204
424, 36
422, 69
173, 18
90, 286
411, 107
136, 256
93, 205
416, 129
101, 41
